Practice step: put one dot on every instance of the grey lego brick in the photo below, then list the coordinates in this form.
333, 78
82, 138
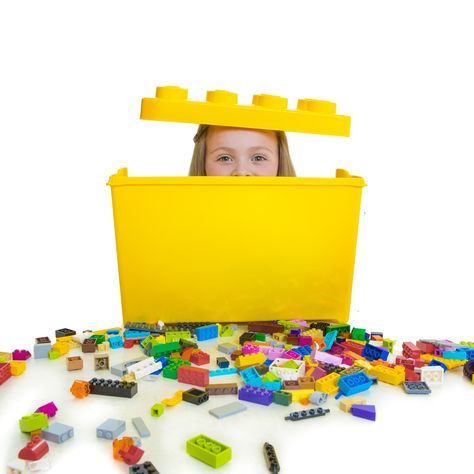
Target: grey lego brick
121, 369
140, 426
57, 433
228, 410
110, 429
227, 347
417, 388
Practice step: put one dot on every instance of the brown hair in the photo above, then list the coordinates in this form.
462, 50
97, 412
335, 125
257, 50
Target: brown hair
198, 161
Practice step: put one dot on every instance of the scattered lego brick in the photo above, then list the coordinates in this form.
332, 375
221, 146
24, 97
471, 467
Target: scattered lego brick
113, 388
271, 458
36, 421
49, 409
419, 388
74, 363
193, 376
57, 433
34, 449
318, 398
204, 333
140, 426
195, 396
209, 451
80, 388
101, 361
20, 354
145, 468
174, 400
258, 395
110, 429
227, 410
222, 389
305, 414
364, 411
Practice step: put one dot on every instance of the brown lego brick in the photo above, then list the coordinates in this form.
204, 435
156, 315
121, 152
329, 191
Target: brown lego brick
222, 388
265, 327
306, 382
74, 363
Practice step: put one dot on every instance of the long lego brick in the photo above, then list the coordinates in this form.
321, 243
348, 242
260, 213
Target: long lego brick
193, 375
113, 388
140, 426
222, 389
262, 396
227, 410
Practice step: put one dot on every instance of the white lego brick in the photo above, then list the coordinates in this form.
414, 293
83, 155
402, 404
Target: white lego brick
144, 367
432, 375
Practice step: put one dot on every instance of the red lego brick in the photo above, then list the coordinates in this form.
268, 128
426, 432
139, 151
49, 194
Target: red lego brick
193, 375
199, 357
132, 455
410, 350
128, 343
34, 449
425, 347
353, 347
411, 375
5, 372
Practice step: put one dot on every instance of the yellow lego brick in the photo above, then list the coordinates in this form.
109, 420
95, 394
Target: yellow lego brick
64, 339
128, 378
346, 404
174, 400
5, 356
267, 112
61, 347
298, 395
363, 363
251, 359
393, 376
73, 345
17, 367
308, 362
160, 339
314, 333
449, 363
103, 346
328, 384
279, 336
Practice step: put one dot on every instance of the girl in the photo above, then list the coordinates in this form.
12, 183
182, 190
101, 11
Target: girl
231, 151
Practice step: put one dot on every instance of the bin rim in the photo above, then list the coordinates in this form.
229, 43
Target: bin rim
343, 178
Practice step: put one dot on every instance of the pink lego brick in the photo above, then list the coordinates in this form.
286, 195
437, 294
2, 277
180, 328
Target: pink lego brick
318, 356
22, 354
49, 409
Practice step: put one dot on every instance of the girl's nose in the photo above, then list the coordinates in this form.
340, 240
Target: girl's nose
241, 172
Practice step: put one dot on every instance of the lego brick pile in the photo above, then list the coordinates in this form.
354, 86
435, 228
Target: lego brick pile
284, 362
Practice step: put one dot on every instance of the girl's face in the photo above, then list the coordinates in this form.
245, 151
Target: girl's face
241, 152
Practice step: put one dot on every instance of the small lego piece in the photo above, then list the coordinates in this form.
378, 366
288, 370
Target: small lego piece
271, 458
354, 383
132, 455
364, 411
346, 404
145, 468
121, 444
144, 367
199, 357
250, 376
36, 421
219, 372
305, 414
204, 333
18, 354
34, 449
49, 409
17, 367
157, 410
41, 348
419, 388
89, 345
17, 466
174, 400
227, 348
227, 410
282, 398
110, 429
5, 371
57, 433
318, 398
468, 369
209, 451
64, 332
432, 374
222, 362
101, 361
140, 426
74, 363
80, 388
195, 396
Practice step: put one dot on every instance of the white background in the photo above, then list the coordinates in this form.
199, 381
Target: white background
72, 77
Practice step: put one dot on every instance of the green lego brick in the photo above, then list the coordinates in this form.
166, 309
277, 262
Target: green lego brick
388, 344
260, 336
227, 331
282, 398
100, 338
288, 325
291, 364
171, 370
358, 334
209, 451
159, 350
34, 422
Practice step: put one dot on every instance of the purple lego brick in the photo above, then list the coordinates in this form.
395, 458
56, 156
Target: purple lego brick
364, 411
336, 349
49, 409
249, 349
291, 355
305, 340
22, 354
259, 395
276, 353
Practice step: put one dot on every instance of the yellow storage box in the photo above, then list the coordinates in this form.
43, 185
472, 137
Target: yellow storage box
212, 248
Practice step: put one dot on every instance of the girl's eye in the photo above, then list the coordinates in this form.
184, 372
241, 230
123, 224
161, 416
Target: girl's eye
224, 158
259, 158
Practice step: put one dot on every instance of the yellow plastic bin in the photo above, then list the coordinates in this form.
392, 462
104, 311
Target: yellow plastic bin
230, 249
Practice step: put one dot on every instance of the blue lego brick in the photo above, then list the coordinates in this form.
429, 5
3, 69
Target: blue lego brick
417, 388
371, 352
268, 362
116, 342
110, 429
222, 362
205, 333
302, 350
329, 340
469, 353
272, 385
250, 376
112, 332
57, 433
354, 383
217, 372
128, 334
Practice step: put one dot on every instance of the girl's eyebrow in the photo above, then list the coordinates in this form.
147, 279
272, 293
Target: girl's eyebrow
252, 148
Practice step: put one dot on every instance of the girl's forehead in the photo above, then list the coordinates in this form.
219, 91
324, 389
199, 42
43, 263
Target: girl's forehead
220, 134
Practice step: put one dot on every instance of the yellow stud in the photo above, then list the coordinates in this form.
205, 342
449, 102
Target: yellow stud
221, 97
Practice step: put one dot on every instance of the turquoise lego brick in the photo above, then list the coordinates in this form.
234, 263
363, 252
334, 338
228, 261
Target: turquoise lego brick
455, 355
218, 372
354, 383
250, 376
329, 339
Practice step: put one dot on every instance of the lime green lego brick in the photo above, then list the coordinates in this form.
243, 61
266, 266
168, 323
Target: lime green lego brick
287, 325
268, 112
157, 410
53, 354
209, 451
173, 336
389, 344
270, 377
291, 364
34, 422
148, 340
339, 328
227, 331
